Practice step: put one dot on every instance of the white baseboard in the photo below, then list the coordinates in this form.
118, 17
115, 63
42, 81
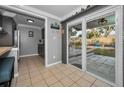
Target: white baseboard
28, 55
53, 63
16, 75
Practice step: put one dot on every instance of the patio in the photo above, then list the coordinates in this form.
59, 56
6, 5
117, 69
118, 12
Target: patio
99, 65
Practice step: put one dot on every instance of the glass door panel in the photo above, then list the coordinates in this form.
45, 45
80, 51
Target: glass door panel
75, 45
101, 47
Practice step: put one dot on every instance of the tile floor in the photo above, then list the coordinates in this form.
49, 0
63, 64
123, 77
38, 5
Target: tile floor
32, 73
103, 66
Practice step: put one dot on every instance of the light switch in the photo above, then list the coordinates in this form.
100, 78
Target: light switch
54, 57
54, 38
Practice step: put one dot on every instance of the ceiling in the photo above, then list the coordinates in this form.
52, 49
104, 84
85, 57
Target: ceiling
22, 19
59, 11
56, 10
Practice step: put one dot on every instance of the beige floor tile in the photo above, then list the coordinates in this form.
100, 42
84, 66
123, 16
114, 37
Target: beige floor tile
32, 72
66, 82
57, 84
99, 83
26, 84
60, 76
23, 68
52, 67
69, 66
23, 80
67, 72
51, 80
47, 74
36, 78
62, 68
75, 85
72, 69
13, 83
36, 73
23, 83
44, 70
40, 83
22, 72
60, 65
23, 77
32, 69
93, 86
74, 77
89, 78
79, 73
55, 71
83, 83
41, 68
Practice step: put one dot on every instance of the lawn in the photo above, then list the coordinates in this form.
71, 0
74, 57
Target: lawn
105, 52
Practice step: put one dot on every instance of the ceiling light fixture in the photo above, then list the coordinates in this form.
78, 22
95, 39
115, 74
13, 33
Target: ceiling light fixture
30, 21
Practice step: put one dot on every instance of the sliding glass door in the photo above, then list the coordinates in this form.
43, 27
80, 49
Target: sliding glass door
94, 44
100, 48
75, 45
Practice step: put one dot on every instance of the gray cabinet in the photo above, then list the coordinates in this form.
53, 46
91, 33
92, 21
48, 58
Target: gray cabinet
41, 50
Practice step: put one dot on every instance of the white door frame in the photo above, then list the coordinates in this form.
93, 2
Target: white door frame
77, 21
119, 40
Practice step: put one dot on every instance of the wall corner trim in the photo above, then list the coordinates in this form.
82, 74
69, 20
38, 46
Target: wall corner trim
28, 55
55, 63
16, 75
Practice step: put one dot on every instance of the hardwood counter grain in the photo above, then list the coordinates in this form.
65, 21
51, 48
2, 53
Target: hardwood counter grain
4, 50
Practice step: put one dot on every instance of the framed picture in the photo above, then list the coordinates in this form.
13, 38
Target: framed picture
55, 26
31, 34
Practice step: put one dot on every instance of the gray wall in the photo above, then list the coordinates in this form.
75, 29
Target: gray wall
123, 46
54, 46
29, 45
53, 43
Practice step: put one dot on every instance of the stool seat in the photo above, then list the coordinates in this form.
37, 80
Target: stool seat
6, 68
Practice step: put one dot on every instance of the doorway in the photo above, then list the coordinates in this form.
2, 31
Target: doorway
101, 35
75, 45
101, 47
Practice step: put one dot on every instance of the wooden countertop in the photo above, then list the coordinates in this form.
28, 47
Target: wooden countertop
4, 50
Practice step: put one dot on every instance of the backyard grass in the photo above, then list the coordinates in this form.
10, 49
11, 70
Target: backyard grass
105, 52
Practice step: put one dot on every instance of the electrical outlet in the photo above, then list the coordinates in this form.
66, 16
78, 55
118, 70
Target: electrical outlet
54, 57
54, 38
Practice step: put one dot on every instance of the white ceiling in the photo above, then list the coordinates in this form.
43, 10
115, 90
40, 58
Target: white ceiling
56, 10
22, 19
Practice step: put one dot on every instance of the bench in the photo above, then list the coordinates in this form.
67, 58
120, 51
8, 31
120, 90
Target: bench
6, 71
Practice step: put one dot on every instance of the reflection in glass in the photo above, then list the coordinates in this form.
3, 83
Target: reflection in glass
75, 44
101, 47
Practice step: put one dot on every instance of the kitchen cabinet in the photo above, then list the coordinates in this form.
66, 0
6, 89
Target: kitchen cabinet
41, 50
